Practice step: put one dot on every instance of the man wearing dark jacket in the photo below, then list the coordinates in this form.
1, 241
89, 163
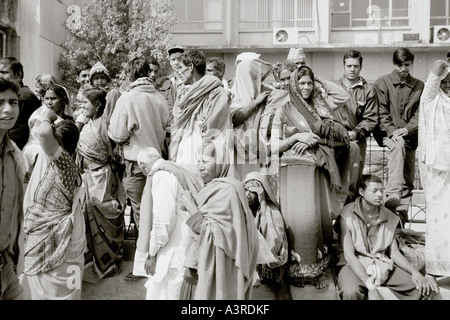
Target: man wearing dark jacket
360, 115
398, 99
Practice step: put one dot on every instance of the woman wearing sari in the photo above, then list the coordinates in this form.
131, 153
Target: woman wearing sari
223, 250
56, 98
311, 191
103, 197
270, 223
53, 224
434, 164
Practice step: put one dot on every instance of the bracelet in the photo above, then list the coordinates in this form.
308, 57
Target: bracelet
288, 142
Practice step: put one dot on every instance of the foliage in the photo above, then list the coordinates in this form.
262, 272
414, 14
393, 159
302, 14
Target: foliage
114, 32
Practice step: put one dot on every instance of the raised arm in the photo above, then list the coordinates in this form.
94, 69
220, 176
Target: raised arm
45, 132
432, 85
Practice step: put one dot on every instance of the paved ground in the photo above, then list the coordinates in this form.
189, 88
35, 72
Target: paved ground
117, 288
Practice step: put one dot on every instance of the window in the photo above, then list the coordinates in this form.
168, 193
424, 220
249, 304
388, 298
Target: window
267, 14
2, 43
440, 12
199, 15
369, 13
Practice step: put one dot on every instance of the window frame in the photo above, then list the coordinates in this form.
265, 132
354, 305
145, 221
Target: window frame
275, 23
446, 17
381, 27
183, 25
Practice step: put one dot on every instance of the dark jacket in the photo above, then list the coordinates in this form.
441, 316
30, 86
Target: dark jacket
360, 114
28, 103
398, 107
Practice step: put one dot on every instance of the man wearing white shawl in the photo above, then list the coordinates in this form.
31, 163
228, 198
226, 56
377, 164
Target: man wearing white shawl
162, 238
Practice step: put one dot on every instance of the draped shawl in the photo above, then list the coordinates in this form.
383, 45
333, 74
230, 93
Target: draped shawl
246, 87
228, 225
271, 223
186, 181
206, 104
95, 150
321, 122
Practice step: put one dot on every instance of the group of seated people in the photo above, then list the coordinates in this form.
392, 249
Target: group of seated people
227, 188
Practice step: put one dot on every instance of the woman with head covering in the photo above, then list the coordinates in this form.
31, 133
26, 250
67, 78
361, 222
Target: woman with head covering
223, 251
304, 134
247, 105
103, 200
53, 223
270, 223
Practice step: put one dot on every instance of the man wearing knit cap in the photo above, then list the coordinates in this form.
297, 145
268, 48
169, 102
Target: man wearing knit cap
172, 83
170, 86
99, 76
297, 56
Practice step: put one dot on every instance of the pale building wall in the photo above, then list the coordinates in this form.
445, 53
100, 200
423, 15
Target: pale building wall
40, 27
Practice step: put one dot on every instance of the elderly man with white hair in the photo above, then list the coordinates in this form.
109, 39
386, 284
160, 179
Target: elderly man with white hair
162, 238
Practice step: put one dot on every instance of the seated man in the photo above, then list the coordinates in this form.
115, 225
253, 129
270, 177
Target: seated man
398, 96
371, 256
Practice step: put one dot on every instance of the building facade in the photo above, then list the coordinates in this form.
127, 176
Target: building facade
325, 29
33, 32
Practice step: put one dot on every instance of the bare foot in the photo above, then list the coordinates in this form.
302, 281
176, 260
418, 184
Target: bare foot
322, 281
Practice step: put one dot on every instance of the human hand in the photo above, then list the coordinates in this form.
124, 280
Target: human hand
83, 118
187, 202
422, 284
439, 67
402, 132
432, 282
262, 97
150, 265
49, 115
352, 135
299, 147
307, 138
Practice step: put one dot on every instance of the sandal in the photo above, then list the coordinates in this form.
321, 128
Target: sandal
132, 277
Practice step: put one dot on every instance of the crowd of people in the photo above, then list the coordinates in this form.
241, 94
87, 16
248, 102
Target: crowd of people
230, 183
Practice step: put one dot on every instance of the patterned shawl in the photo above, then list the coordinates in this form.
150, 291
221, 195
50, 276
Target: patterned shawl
93, 145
